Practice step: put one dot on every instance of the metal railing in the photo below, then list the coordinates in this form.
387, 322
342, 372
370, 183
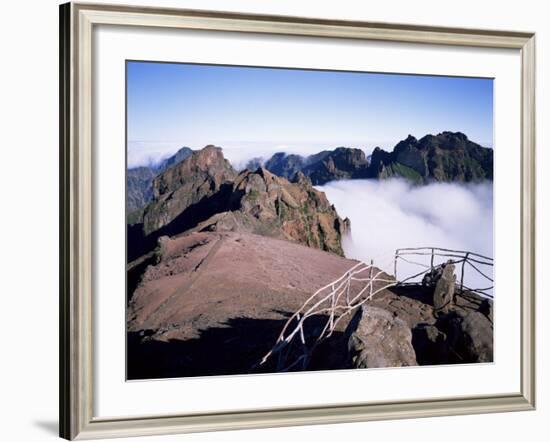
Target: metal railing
462, 258
336, 300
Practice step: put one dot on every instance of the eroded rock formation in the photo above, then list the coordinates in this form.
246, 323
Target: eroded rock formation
205, 193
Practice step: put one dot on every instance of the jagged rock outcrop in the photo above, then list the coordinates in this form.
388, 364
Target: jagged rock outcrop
444, 289
462, 335
205, 193
376, 338
341, 163
442, 338
477, 337
325, 166
263, 203
188, 183
285, 165
448, 156
139, 182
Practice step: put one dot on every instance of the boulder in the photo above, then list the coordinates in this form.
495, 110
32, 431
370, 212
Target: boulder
376, 338
431, 277
430, 345
445, 288
477, 332
486, 308
456, 337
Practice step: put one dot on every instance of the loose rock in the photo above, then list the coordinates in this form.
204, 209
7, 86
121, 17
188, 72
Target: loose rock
378, 339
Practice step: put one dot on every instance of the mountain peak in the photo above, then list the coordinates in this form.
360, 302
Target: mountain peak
448, 133
197, 177
447, 156
208, 156
322, 167
178, 157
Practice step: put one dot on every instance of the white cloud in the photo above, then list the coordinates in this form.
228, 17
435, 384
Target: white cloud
390, 214
147, 153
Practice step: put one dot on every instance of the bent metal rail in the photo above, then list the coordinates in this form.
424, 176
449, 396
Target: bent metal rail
294, 347
336, 300
462, 258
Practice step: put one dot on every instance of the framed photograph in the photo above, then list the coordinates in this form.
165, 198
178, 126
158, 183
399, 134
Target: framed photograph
271, 220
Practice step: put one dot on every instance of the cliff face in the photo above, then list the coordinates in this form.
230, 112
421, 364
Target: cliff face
205, 193
284, 165
265, 204
448, 156
178, 188
340, 163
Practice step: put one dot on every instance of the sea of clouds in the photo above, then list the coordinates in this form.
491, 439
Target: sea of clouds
385, 214
390, 214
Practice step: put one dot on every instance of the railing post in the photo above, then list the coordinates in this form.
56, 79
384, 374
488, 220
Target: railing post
432, 260
395, 264
332, 306
462, 272
348, 284
370, 276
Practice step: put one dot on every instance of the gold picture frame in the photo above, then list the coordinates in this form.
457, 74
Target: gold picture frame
77, 21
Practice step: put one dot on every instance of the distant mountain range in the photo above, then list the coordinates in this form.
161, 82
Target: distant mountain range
339, 164
445, 157
448, 156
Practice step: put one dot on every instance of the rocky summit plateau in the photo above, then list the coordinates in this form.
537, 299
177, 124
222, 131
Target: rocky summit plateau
213, 303
220, 259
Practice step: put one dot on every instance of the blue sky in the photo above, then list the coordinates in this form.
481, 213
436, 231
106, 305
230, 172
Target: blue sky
258, 110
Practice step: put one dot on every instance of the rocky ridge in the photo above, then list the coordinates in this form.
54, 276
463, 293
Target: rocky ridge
446, 157
340, 163
204, 192
189, 182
